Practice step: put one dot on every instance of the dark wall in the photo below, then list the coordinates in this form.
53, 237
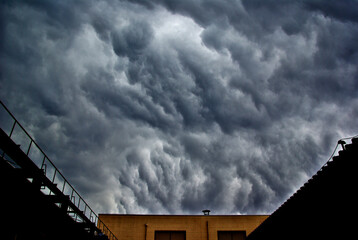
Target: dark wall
321, 209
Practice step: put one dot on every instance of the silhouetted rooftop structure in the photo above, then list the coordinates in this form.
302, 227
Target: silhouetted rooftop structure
37, 200
323, 208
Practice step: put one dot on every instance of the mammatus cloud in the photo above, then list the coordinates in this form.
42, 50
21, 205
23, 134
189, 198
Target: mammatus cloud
178, 106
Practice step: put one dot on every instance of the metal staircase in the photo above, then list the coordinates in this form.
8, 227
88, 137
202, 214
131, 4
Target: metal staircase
39, 200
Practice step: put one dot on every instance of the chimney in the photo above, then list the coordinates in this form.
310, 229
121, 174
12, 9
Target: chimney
206, 212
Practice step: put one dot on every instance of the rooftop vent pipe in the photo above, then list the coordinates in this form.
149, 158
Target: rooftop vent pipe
206, 212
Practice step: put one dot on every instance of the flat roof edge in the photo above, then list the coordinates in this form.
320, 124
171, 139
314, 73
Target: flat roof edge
181, 215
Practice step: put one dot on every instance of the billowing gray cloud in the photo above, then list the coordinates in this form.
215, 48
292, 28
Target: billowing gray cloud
178, 106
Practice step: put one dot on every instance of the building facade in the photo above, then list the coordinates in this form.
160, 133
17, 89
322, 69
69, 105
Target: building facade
182, 227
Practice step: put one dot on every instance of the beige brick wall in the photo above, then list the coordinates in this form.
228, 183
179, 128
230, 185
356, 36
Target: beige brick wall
143, 227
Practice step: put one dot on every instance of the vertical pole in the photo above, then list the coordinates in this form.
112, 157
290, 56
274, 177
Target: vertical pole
12, 129
54, 176
74, 201
64, 184
145, 233
43, 164
28, 150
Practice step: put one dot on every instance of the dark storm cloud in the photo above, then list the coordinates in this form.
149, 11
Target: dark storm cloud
177, 106
132, 40
345, 10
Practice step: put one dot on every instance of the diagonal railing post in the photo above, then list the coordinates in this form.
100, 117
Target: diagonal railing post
12, 129
28, 150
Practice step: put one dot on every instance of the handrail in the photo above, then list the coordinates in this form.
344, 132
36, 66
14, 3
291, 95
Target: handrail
335, 150
92, 217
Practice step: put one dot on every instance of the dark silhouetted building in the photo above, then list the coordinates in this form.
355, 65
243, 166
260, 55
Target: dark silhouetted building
323, 208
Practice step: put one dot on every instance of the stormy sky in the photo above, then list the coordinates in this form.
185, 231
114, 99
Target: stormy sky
171, 107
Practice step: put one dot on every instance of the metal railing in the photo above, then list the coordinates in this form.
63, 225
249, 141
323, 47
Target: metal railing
28, 145
341, 142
